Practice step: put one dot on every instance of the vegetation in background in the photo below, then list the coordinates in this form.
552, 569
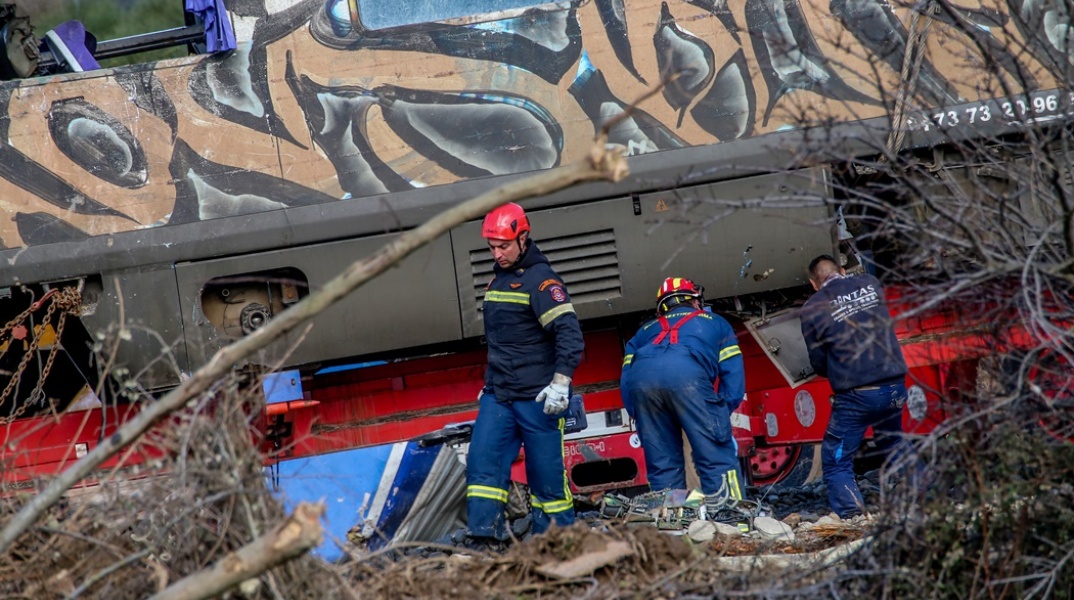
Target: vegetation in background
113, 19
997, 521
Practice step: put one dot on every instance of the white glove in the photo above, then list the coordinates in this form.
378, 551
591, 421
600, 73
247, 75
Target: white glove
556, 396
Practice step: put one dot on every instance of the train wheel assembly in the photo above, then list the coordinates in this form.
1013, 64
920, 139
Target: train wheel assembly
784, 466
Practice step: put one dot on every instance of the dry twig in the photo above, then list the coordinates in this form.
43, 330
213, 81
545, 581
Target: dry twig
297, 534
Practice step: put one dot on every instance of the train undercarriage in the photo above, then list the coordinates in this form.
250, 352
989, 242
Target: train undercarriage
343, 408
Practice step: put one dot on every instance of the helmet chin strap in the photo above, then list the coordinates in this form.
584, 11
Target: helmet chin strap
521, 246
675, 301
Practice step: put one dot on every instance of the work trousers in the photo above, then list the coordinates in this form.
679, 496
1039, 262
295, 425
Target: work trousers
853, 412
663, 412
501, 429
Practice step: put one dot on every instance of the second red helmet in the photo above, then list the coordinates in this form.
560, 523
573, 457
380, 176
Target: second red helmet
506, 222
678, 286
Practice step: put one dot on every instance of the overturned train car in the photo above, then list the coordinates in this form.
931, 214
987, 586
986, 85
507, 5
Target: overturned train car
166, 209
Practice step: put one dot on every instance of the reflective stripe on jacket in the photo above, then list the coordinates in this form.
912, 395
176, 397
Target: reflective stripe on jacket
706, 350
531, 328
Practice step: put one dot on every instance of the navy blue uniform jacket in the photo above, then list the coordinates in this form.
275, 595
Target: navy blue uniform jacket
848, 331
531, 328
706, 351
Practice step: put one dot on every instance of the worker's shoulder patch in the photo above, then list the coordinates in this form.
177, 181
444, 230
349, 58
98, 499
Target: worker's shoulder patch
558, 293
549, 282
489, 284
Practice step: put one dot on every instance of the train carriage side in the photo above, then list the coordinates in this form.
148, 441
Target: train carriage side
193, 199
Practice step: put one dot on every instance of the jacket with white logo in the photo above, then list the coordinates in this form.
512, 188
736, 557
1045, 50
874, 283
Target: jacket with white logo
849, 334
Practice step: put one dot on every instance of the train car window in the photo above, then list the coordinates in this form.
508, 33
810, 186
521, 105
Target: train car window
378, 14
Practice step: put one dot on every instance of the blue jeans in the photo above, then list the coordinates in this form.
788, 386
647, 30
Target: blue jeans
853, 412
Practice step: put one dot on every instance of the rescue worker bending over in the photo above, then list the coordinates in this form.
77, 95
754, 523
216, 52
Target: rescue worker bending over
670, 369
534, 345
851, 341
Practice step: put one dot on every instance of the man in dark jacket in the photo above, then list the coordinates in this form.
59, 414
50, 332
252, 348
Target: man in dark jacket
670, 368
848, 332
534, 345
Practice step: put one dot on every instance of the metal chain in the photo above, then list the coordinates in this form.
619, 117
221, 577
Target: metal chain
913, 54
68, 300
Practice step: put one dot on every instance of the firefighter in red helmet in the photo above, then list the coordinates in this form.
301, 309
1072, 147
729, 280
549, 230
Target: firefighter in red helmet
534, 345
670, 368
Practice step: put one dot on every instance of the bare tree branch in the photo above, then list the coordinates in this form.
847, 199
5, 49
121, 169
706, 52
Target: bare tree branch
297, 534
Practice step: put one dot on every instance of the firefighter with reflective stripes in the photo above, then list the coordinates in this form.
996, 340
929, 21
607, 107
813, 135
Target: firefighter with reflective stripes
534, 345
670, 370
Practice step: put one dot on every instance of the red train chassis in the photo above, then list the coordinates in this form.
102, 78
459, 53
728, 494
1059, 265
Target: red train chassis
401, 400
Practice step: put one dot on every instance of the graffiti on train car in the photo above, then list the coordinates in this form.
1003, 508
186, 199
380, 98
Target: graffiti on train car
313, 107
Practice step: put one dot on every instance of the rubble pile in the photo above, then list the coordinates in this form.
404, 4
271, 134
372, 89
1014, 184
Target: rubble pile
794, 520
636, 550
812, 498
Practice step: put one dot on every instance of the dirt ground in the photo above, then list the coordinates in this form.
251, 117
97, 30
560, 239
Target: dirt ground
583, 561
616, 561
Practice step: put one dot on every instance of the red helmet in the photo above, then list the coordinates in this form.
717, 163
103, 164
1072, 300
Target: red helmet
505, 223
675, 290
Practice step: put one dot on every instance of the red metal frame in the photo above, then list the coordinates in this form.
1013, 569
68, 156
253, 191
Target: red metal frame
602, 451
362, 407
401, 400
46, 445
